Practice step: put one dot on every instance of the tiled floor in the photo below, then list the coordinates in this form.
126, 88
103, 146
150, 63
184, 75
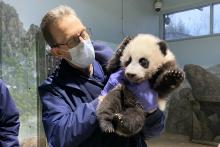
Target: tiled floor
171, 140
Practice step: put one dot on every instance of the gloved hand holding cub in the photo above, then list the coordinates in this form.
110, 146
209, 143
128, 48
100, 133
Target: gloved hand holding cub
146, 97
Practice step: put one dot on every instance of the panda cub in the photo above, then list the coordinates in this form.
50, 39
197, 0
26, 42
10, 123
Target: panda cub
145, 57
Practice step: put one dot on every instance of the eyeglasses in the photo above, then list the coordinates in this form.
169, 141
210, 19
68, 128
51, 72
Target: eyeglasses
74, 40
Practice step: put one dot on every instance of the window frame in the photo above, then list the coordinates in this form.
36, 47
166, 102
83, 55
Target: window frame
213, 4
186, 8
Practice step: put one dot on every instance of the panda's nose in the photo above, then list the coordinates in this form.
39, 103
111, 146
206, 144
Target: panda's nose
130, 75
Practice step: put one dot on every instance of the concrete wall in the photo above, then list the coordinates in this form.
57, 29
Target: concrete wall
201, 51
140, 17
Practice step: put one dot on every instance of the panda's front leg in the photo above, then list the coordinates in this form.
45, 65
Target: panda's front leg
169, 80
110, 105
129, 122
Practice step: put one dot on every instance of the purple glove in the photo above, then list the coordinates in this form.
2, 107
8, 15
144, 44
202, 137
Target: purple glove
114, 80
146, 96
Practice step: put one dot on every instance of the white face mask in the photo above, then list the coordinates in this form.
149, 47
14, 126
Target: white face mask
83, 54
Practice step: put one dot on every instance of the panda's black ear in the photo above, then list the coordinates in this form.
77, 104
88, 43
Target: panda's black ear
163, 47
122, 45
114, 63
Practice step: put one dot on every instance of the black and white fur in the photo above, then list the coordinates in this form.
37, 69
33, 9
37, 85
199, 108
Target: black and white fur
145, 57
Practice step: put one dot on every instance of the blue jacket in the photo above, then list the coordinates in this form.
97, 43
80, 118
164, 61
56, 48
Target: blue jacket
69, 101
9, 119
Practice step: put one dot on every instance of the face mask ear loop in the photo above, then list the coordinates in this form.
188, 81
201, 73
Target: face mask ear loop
81, 39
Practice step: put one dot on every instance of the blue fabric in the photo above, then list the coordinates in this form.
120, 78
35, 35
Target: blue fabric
69, 101
145, 95
154, 124
114, 80
9, 119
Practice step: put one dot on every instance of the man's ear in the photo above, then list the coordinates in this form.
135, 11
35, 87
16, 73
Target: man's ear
57, 52
163, 47
114, 63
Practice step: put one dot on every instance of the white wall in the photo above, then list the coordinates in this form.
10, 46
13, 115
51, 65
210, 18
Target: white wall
173, 5
204, 51
201, 51
140, 17
103, 16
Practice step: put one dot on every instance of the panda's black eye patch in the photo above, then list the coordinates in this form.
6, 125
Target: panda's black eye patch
128, 62
144, 62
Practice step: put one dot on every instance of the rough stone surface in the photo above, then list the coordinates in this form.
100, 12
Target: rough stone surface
217, 139
201, 129
179, 118
215, 70
205, 85
188, 103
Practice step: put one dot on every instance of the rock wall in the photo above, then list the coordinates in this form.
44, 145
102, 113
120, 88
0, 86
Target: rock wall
194, 108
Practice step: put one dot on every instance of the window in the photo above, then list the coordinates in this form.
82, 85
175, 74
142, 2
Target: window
185, 24
216, 23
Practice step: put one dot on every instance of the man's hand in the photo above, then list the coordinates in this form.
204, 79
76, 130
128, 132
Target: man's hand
114, 80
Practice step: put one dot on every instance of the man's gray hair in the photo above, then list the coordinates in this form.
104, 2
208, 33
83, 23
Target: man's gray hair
52, 16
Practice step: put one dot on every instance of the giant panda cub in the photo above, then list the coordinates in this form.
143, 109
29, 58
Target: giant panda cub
145, 57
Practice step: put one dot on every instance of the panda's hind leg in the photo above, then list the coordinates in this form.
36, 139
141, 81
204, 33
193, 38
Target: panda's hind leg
110, 105
129, 122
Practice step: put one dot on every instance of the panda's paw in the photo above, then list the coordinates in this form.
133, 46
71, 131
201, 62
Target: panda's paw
125, 125
107, 127
118, 118
121, 121
173, 78
170, 79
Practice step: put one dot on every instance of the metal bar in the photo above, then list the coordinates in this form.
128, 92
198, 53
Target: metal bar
211, 19
1, 29
41, 75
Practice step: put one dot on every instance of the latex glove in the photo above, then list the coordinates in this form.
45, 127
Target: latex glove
114, 80
146, 96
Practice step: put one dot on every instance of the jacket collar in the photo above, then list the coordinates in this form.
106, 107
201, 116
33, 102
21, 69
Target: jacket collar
68, 76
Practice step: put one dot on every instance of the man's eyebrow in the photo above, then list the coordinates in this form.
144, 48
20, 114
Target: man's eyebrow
75, 35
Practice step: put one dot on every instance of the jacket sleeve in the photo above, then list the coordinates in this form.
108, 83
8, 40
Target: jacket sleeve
154, 124
63, 126
102, 52
9, 119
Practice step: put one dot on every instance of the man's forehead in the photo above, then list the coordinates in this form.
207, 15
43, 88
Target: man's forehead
68, 22
65, 27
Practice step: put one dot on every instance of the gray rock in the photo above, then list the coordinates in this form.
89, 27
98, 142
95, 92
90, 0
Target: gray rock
197, 129
215, 70
186, 93
217, 139
191, 110
179, 118
205, 85
201, 130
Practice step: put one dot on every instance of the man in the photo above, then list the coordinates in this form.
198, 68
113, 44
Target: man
9, 119
71, 94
